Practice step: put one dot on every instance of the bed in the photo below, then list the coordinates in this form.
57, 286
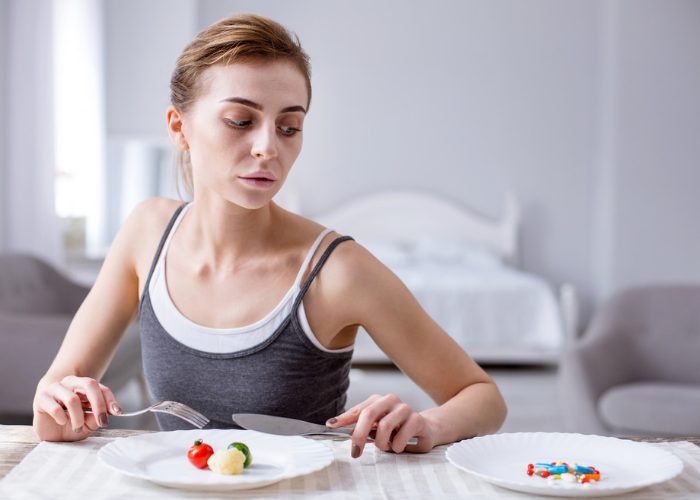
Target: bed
462, 268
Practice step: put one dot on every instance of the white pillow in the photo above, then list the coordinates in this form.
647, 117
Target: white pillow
390, 253
451, 252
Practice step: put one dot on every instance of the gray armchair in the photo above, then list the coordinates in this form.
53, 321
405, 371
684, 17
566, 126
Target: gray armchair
637, 368
37, 304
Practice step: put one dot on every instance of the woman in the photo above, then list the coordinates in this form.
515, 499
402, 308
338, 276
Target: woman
246, 307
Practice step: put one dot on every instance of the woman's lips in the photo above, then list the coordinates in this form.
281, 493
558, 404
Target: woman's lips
257, 182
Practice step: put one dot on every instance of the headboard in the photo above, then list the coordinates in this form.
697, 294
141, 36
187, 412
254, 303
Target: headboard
407, 216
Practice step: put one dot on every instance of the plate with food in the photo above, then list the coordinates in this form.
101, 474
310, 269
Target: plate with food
562, 464
216, 459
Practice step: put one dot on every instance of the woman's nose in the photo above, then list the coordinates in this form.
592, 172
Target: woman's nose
265, 143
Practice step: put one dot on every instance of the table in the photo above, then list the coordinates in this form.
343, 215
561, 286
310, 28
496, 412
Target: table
17, 441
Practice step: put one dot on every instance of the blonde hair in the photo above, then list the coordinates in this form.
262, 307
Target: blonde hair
238, 38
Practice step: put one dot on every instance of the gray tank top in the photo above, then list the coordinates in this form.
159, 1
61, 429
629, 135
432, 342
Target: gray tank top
285, 375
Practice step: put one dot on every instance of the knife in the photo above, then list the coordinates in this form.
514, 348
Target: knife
283, 426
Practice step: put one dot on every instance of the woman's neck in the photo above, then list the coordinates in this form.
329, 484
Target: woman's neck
223, 235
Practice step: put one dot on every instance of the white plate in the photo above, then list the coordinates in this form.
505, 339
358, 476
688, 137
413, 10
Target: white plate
161, 457
624, 465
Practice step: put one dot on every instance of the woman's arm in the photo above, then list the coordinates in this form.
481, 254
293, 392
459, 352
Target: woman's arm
469, 403
92, 339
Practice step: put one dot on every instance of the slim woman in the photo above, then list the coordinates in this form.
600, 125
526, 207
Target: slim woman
242, 305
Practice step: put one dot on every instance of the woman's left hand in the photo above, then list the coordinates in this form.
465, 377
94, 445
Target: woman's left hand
390, 422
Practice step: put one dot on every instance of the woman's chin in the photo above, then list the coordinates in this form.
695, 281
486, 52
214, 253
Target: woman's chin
251, 201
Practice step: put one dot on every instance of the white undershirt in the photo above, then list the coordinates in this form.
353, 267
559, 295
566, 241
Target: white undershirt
226, 340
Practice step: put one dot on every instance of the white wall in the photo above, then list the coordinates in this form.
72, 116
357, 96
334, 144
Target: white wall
587, 109
28, 220
466, 99
142, 42
4, 28
657, 192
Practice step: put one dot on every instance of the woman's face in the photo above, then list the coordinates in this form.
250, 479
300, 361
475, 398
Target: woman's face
244, 132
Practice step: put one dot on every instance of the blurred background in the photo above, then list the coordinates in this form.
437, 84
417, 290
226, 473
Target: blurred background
588, 111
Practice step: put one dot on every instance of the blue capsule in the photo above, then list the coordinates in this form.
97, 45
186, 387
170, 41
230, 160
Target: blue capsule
558, 469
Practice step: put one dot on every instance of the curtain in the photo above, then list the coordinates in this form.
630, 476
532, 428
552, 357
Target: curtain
28, 219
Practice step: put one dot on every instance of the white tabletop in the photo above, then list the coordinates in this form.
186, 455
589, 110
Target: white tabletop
71, 470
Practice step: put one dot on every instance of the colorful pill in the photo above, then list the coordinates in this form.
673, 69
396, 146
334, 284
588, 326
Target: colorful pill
562, 471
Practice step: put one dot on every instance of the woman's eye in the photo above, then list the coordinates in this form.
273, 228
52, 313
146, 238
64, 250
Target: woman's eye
289, 131
239, 123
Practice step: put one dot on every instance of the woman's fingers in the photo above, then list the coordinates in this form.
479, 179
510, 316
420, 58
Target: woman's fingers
379, 420
71, 402
45, 403
389, 425
59, 409
412, 427
64, 402
97, 395
91, 390
370, 418
112, 405
350, 416
388, 421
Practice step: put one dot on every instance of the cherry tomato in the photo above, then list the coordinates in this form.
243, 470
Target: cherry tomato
199, 453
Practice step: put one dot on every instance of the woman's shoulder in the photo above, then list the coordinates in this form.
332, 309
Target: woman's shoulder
153, 212
350, 266
145, 226
347, 257
353, 282
150, 217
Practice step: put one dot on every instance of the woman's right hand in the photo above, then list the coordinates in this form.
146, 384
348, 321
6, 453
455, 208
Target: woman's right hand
58, 408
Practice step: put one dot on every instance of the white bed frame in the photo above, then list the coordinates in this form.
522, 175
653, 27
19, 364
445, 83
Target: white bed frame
407, 216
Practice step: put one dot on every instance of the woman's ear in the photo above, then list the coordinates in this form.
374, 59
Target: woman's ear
177, 135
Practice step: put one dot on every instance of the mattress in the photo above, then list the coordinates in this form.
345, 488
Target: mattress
491, 309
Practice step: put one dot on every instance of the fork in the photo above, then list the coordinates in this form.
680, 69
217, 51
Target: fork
174, 408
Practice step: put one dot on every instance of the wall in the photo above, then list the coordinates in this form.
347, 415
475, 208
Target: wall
657, 190
466, 99
4, 29
28, 196
142, 41
588, 110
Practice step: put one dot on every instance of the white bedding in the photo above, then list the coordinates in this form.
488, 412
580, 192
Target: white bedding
453, 258
480, 301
